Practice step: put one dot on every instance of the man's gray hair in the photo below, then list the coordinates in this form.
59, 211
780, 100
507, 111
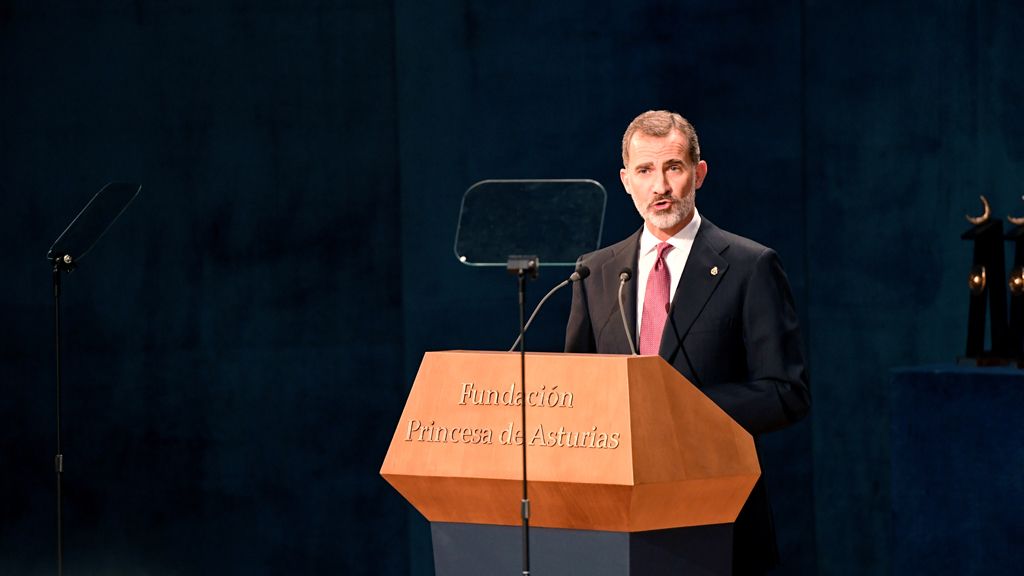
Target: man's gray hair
660, 123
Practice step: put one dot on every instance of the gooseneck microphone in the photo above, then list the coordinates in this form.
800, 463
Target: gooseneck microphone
581, 272
624, 277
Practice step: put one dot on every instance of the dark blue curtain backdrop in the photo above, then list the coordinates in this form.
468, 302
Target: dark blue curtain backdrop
238, 348
234, 345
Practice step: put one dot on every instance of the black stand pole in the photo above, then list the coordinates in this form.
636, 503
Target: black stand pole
522, 266
1016, 285
522, 378
60, 265
987, 292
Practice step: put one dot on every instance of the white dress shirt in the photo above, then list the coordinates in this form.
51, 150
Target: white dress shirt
681, 243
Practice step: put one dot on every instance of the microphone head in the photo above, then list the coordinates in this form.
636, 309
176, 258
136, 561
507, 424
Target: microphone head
625, 275
582, 271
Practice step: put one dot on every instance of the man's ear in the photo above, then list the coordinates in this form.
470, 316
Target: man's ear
701, 172
625, 184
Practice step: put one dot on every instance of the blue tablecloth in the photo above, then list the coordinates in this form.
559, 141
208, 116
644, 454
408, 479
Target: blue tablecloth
957, 472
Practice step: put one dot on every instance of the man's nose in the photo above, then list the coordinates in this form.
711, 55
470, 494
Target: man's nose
661, 184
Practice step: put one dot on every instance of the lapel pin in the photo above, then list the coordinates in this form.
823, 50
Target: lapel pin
714, 270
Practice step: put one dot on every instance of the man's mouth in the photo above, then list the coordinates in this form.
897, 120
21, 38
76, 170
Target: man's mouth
661, 204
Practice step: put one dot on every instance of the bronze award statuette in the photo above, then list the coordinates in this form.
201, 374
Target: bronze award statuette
987, 291
1016, 286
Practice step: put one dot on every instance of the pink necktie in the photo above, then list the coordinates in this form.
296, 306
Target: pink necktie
652, 322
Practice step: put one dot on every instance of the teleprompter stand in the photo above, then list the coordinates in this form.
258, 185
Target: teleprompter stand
65, 254
523, 267
516, 223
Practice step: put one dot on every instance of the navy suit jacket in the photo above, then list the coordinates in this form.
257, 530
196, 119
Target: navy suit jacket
732, 331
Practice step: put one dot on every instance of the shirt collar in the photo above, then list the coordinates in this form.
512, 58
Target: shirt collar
648, 241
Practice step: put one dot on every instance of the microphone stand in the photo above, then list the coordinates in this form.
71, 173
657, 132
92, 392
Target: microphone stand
624, 277
522, 266
581, 272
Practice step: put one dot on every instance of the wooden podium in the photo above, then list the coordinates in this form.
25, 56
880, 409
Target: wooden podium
631, 469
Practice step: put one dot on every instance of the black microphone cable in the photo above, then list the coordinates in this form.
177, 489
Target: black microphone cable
580, 273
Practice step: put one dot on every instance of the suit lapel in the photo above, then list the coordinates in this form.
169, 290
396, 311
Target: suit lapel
705, 268
626, 257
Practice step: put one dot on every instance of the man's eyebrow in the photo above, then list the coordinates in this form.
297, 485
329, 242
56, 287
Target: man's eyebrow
674, 162
643, 165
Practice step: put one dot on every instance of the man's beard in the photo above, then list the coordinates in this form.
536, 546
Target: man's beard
681, 209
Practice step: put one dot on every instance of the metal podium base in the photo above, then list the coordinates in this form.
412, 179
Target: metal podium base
483, 550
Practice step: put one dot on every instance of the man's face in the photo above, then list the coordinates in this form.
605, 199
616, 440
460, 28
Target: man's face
662, 182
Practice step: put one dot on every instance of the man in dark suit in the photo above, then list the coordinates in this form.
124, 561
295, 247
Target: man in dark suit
715, 305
